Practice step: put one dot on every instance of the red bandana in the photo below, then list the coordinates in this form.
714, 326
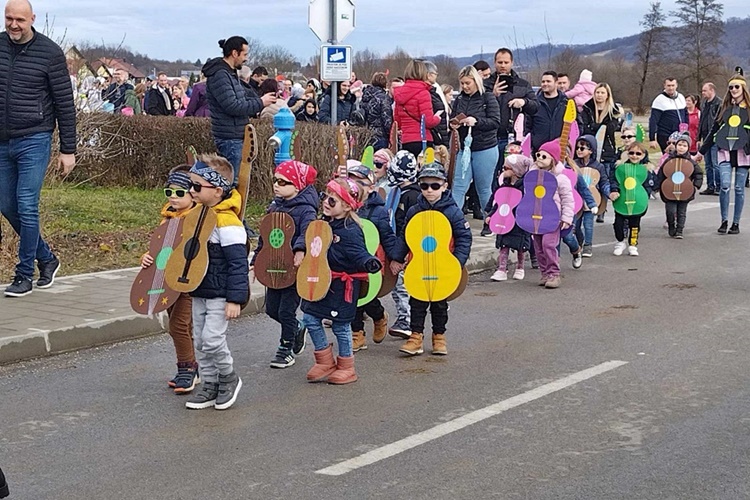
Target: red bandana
342, 193
300, 174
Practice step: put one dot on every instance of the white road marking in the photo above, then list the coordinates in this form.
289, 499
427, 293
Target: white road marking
459, 423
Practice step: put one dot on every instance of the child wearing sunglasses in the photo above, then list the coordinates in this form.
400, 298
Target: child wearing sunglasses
225, 286
373, 210
677, 210
179, 203
435, 196
350, 263
545, 245
294, 194
585, 157
630, 224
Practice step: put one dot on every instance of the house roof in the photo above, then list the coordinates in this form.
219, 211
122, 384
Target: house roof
124, 65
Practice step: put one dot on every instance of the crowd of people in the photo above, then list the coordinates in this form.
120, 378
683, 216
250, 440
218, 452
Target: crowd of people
509, 133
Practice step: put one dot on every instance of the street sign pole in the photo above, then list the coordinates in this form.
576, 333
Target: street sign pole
334, 85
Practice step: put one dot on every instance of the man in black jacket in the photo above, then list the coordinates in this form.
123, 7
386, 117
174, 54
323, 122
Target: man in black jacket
160, 98
115, 93
547, 123
709, 110
35, 95
514, 98
230, 105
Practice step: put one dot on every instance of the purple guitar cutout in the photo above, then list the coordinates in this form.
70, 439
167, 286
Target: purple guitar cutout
507, 198
537, 213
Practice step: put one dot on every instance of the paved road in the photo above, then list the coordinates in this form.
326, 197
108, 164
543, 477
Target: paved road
513, 412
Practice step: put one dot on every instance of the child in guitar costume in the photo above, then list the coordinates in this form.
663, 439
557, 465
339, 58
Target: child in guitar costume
179, 203
585, 157
373, 210
677, 210
630, 223
572, 239
225, 286
515, 167
402, 195
435, 196
295, 195
545, 245
350, 263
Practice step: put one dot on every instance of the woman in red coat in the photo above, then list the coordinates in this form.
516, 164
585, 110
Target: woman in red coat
694, 117
412, 101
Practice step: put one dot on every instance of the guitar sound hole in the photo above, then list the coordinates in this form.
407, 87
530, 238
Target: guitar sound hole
191, 249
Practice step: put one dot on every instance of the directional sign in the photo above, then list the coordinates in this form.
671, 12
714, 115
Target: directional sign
336, 62
320, 13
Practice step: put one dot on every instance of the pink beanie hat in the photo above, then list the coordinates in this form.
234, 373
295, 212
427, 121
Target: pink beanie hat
552, 148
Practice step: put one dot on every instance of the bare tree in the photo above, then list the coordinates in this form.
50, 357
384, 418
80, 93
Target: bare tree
700, 29
651, 45
568, 61
396, 62
366, 63
448, 69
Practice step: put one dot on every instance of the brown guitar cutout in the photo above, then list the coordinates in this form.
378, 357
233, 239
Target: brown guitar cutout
188, 264
314, 274
455, 146
274, 265
249, 155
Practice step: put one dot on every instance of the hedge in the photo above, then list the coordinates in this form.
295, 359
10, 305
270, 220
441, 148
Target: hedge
138, 151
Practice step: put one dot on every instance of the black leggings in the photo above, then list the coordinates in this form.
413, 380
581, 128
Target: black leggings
438, 310
634, 225
373, 309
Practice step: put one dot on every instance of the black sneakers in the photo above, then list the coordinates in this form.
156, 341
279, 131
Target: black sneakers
299, 339
4, 491
723, 228
47, 272
205, 397
229, 388
283, 359
20, 287
734, 229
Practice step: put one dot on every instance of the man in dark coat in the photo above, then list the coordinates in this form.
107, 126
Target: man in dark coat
547, 123
231, 106
709, 110
35, 96
160, 98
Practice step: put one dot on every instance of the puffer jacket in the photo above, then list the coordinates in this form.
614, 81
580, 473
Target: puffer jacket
227, 274
440, 134
411, 101
460, 228
564, 194
230, 105
603, 184
485, 109
347, 254
521, 90
374, 211
303, 209
589, 126
344, 107
35, 91
198, 105
376, 105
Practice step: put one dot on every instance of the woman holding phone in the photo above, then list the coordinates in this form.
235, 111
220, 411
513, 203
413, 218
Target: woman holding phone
475, 111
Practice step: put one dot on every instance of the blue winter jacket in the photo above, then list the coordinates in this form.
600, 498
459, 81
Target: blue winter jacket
347, 254
303, 209
459, 226
230, 104
374, 211
547, 124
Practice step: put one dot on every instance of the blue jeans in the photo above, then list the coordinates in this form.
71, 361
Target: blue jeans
341, 329
23, 164
501, 145
740, 176
713, 179
571, 241
231, 149
587, 222
482, 168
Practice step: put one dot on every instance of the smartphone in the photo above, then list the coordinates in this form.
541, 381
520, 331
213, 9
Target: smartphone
507, 80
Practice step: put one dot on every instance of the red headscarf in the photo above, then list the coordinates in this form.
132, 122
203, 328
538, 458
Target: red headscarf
300, 174
342, 192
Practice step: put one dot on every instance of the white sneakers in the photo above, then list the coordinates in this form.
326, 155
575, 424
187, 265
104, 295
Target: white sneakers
519, 274
499, 276
633, 251
620, 248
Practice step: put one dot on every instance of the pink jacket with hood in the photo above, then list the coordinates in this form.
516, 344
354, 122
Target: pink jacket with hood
582, 91
564, 195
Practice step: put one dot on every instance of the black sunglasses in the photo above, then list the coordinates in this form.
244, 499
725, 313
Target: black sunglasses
281, 182
582, 148
379, 165
180, 193
627, 137
542, 156
424, 186
635, 153
735, 87
197, 187
331, 201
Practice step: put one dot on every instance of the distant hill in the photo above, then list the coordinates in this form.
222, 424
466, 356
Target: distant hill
735, 48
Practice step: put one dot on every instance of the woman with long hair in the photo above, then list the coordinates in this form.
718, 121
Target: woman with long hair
601, 111
477, 112
730, 134
412, 101
693, 107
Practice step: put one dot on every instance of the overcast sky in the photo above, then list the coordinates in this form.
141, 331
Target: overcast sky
190, 29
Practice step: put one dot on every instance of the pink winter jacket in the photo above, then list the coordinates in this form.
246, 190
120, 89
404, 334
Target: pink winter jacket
564, 195
581, 93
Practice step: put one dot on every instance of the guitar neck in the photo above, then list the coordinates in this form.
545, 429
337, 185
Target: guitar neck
564, 137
